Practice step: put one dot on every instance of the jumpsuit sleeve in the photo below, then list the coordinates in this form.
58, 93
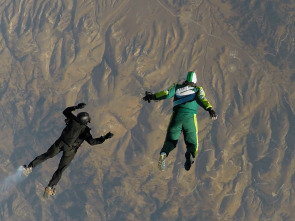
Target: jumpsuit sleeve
68, 112
201, 99
93, 141
166, 94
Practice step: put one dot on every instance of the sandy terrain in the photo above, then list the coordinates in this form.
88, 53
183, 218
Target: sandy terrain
106, 53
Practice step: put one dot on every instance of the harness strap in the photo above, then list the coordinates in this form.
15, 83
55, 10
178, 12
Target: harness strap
184, 100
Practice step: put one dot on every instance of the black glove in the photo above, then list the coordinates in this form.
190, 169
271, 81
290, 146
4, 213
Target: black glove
80, 106
149, 96
212, 113
108, 135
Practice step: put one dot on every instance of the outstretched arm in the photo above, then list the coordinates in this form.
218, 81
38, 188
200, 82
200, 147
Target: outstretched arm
165, 94
203, 102
99, 140
68, 111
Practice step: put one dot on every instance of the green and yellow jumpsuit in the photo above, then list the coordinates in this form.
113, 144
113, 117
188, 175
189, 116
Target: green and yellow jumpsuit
186, 101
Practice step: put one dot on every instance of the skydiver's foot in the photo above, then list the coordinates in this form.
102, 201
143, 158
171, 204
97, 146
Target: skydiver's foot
27, 170
161, 162
49, 191
189, 161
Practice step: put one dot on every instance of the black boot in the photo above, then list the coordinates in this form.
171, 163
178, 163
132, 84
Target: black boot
188, 161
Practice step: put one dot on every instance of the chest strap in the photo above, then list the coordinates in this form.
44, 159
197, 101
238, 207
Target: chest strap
184, 100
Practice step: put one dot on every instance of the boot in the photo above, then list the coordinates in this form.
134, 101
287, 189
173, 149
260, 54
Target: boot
27, 170
189, 160
49, 191
161, 162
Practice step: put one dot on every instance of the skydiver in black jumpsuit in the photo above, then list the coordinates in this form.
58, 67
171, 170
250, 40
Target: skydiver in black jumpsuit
73, 135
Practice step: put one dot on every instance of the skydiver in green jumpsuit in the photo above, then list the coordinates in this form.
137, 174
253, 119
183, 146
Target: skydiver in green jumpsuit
187, 98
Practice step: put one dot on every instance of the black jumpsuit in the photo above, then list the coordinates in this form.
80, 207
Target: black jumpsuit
70, 140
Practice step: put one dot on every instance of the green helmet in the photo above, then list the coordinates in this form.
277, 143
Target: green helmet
191, 77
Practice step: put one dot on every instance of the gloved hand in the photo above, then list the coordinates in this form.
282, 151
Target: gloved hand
108, 135
149, 96
212, 113
80, 106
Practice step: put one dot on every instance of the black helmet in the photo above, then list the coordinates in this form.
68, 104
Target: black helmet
83, 118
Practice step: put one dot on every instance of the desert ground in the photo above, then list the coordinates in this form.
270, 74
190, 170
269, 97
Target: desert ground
107, 53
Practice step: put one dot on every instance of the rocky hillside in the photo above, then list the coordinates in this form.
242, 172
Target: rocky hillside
107, 53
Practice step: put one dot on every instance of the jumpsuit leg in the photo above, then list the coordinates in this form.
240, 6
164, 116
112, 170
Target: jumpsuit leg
190, 133
51, 152
65, 161
173, 133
